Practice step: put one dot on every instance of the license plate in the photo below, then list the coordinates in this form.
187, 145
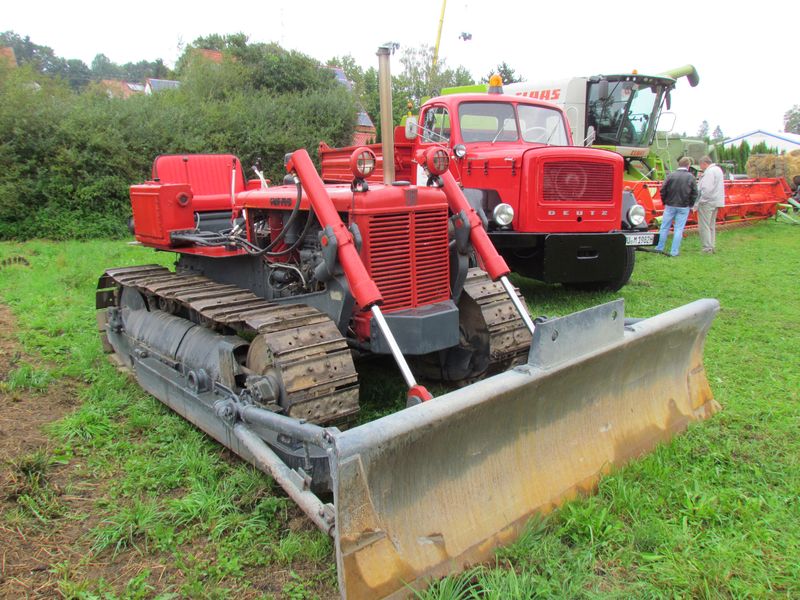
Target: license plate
639, 239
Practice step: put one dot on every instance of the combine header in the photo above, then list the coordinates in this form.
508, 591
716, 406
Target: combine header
745, 200
252, 338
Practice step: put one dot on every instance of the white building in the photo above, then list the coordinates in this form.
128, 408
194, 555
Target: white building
785, 142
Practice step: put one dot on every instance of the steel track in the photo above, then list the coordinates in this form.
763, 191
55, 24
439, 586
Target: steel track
299, 344
509, 338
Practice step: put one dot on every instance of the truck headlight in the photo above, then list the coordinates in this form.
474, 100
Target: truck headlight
636, 215
503, 214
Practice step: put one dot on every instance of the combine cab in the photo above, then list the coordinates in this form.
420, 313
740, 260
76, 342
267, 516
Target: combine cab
276, 289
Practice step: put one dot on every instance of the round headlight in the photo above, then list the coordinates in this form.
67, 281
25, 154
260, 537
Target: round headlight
636, 215
362, 162
460, 150
503, 214
437, 161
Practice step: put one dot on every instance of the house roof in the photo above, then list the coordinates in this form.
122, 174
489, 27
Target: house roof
212, 55
338, 72
7, 55
162, 84
791, 138
363, 119
121, 89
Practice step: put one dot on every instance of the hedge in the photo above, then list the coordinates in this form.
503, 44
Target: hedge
67, 159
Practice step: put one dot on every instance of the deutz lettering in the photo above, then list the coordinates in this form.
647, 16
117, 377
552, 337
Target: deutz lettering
578, 213
281, 201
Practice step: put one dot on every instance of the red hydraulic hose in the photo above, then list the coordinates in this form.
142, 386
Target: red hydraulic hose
361, 284
494, 263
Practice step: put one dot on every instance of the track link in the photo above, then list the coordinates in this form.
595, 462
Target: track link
509, 338
296, 344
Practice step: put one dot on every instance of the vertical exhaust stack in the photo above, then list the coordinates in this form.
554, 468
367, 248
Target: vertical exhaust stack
387, 123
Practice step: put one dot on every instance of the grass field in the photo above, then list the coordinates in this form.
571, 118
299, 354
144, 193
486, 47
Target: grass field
120, 498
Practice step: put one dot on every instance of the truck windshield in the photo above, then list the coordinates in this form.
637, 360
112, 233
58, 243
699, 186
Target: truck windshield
542, 125
628, 116
497, 122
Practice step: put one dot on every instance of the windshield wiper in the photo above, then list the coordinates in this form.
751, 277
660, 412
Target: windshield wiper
552, 131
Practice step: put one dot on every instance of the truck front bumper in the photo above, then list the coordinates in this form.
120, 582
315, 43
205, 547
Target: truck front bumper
569, 257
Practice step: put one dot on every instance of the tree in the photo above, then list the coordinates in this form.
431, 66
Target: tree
103, 68
703, 129
506, 72
353, 72
76, 73
417, 81
791, 120
717, 135
256, 66
41, 58
420, 79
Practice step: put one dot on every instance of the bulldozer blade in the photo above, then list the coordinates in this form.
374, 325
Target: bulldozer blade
435, 488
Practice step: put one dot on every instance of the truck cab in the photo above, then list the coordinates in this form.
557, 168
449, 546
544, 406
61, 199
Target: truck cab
555, 211
619, 112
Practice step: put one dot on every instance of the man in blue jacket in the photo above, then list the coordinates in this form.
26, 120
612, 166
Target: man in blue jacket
678, 193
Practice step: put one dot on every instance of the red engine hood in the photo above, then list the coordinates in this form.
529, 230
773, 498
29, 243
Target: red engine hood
571, 189
552, 188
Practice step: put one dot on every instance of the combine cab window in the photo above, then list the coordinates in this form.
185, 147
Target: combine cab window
627, 116
436, 126
542, 125
487, 122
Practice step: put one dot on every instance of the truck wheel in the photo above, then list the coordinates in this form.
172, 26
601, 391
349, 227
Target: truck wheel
611, 285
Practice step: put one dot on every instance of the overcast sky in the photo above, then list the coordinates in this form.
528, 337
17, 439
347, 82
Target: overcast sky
746, 54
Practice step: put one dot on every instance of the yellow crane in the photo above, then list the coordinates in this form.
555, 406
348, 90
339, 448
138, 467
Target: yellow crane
438, 38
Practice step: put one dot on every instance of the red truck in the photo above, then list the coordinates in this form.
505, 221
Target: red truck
556, 212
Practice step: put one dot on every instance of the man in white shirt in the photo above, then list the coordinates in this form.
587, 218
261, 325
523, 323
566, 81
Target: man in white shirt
710, 198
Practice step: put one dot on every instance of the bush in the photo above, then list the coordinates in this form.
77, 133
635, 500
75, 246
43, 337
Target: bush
67, 159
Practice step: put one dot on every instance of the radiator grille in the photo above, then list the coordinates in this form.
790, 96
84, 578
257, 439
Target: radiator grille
578, 181
408, 258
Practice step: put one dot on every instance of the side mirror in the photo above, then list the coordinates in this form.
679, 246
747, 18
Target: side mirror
591, 135
412, 129
666, 121
669, 99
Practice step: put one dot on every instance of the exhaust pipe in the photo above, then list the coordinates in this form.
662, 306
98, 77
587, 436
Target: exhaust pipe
387, 123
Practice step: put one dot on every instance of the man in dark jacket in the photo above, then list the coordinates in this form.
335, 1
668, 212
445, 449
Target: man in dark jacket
678, 192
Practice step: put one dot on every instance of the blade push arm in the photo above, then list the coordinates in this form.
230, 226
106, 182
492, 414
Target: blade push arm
363, 287
494, 263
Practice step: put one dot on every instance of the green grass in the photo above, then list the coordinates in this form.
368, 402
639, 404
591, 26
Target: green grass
29, 486
713, 514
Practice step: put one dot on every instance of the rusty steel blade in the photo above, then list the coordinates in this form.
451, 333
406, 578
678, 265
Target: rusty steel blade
434, 488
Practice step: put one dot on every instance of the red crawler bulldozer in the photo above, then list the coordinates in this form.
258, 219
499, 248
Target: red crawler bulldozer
252, 339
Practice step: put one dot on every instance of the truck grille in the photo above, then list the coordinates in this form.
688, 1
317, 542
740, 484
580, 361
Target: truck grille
407, 256
580, 181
